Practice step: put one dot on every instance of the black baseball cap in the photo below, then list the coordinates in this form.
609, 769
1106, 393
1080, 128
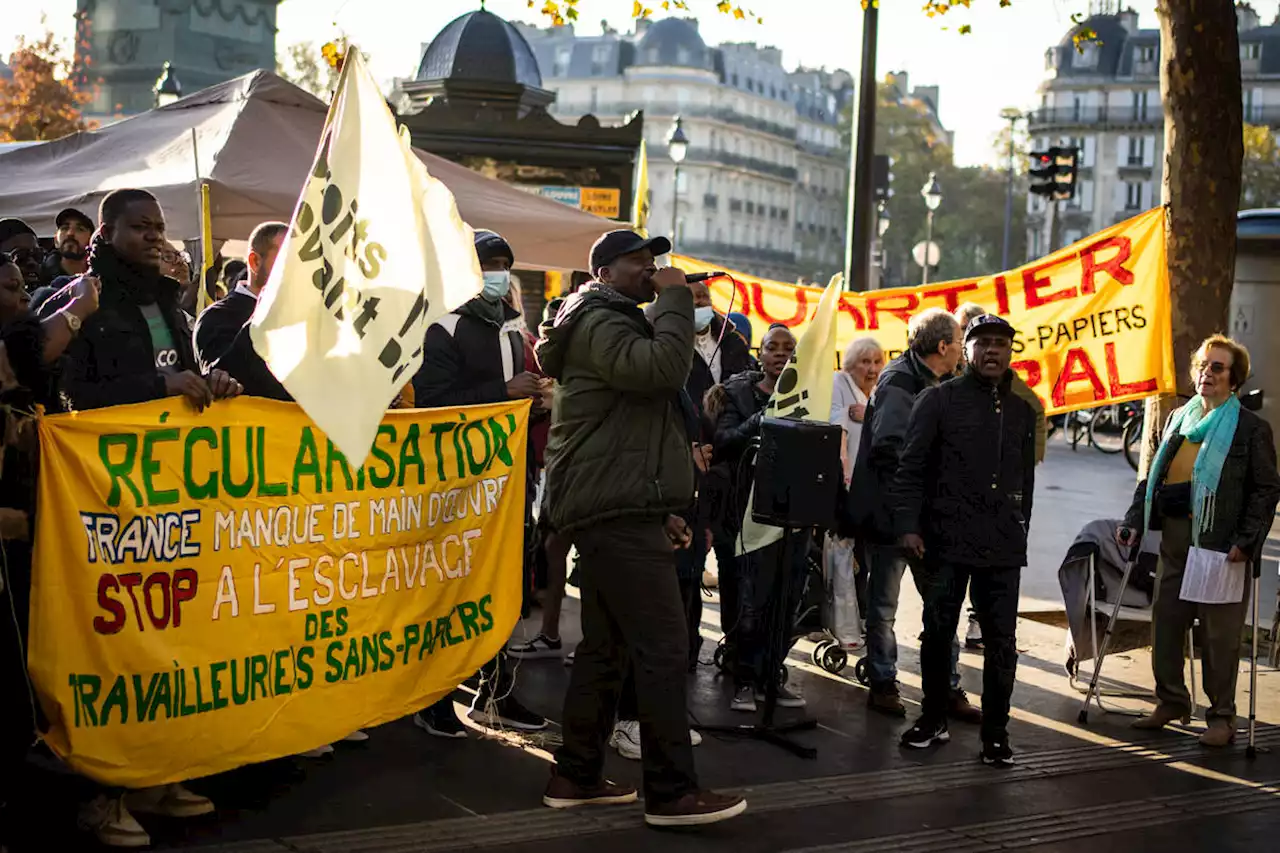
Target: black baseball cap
988, 324
70, 214
615, 244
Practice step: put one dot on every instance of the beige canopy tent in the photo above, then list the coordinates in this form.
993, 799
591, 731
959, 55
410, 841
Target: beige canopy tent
256, 137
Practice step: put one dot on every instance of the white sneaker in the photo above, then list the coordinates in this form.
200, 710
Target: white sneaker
317, 753
357, 736
695, 737
172, 800
973, 635
786, 698
743, 700
110, 822
626, 739
541, 646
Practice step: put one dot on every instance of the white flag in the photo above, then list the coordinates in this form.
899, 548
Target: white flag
376, 251
803, 393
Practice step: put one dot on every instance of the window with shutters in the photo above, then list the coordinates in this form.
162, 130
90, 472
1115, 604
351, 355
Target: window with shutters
1132, 195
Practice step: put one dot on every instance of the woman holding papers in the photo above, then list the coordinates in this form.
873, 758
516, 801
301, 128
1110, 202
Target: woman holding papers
1211, 491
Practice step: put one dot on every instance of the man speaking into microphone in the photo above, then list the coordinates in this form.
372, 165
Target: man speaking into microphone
619, 472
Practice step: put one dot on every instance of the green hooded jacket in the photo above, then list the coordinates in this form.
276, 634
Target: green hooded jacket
617, 447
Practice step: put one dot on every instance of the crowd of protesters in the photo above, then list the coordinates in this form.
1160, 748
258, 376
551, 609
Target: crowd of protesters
646, 409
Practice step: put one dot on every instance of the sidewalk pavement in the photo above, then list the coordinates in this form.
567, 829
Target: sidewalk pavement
1104, 785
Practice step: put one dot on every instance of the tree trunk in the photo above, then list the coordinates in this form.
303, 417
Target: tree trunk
1203, 149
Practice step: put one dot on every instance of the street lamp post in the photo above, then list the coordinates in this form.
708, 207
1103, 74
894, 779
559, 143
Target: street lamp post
167, 88
677, 148
932, 198
1011, 115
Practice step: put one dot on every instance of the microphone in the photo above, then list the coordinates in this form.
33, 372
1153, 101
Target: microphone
702, 276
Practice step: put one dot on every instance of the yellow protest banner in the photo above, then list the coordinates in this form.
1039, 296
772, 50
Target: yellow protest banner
219, 589
1093, 319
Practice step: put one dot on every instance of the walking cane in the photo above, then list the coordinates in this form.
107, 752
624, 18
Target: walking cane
1101, 651
1252, 750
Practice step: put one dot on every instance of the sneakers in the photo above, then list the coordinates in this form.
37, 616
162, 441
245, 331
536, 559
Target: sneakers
319, 752
568, 659
440, 722
357, 736
1221, 732
110, 822
507, 713
694, 809
925, 733
626, 739
961, 709
786, 698
1160, 717
973, 636
170, 800
997, 755
884, 699
744, 699
564, 794
539, 647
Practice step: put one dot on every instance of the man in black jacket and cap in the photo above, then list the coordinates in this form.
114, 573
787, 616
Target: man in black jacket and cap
962, 504
471, 356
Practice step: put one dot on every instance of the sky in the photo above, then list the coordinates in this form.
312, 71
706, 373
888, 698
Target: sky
998, 65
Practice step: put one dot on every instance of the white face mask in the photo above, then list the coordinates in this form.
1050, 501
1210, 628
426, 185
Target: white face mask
702, 317
497, 284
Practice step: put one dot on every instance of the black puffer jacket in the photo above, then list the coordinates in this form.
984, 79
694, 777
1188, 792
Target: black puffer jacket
966, 475
1247, 490
468, 358
883, 433
737, 425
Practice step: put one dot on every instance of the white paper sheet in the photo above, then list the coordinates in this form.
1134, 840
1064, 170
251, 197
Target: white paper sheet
1210, 579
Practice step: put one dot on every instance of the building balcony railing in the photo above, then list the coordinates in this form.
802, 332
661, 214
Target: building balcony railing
724, 158
1103, 116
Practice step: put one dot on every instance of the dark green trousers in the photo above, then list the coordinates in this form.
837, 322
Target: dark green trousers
1220, 631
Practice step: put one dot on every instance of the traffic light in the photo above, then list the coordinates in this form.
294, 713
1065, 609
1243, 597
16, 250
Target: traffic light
882, 177
1053, 172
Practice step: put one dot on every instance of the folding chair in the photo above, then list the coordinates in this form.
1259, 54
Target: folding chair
1115, 612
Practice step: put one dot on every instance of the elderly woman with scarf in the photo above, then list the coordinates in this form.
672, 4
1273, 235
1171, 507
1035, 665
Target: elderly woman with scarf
1212, 485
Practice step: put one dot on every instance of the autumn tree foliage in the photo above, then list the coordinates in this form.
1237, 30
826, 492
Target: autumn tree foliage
40, 101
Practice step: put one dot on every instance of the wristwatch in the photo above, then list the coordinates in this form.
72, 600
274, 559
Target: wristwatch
73, 322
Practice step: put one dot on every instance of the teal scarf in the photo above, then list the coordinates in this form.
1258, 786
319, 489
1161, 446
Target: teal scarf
1213, 431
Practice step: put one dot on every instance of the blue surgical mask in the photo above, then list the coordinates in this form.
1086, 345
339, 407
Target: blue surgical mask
702, 317
497, 284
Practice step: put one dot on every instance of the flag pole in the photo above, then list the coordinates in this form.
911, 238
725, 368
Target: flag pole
206, 229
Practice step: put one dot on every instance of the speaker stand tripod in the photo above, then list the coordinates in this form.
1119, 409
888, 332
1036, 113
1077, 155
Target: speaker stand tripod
768, 730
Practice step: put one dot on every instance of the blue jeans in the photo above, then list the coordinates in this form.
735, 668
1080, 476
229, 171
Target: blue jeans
884, 584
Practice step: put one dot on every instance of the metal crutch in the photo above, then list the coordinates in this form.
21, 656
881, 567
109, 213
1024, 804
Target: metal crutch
1252, 750
1083, 717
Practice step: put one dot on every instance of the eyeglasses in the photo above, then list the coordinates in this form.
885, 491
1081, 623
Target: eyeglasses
1217, 368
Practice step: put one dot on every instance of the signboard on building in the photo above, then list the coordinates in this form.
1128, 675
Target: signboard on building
601, 201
